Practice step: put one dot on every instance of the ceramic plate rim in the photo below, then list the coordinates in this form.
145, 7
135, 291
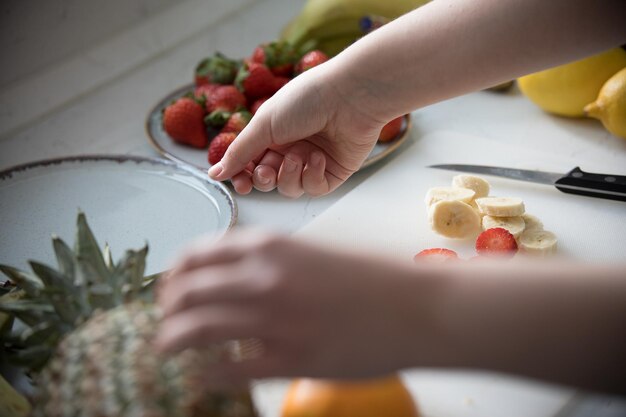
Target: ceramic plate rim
390, 147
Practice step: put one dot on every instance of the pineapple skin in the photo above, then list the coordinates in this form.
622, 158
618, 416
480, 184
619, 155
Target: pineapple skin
108, 367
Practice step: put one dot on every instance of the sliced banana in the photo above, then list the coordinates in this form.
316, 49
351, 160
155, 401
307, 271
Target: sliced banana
454, 219
532, 222
538, 242
500, 206
515, 225
472, 182
436, 194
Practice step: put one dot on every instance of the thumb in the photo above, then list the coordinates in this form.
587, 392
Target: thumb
253, 140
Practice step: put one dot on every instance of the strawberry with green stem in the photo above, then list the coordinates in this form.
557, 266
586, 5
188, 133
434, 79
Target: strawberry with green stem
280, 57
217, 69
183, 121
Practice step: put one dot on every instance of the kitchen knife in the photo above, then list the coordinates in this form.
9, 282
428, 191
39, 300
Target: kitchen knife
612, 187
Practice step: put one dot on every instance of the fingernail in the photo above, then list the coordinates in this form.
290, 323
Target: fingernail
289, 165
262, 179
316, 159
216, 170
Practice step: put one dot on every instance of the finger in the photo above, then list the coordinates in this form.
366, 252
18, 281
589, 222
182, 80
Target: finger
242, 183
290, 176
250, 143
202, 287
264, 178
314, 180
265, 174
238, 374
203, 326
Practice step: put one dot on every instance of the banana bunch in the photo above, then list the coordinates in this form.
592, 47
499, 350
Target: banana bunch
332, 25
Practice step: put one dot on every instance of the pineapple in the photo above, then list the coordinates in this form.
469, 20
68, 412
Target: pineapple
85, 334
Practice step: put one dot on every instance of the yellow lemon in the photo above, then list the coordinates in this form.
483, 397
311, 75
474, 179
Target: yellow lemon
566, 89
610, 106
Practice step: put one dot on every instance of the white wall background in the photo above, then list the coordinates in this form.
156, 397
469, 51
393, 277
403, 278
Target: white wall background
35, 34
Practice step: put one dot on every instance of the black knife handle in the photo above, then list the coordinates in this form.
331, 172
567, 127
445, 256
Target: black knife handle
612, 187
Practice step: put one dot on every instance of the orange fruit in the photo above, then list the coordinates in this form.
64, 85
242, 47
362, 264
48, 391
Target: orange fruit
367, 398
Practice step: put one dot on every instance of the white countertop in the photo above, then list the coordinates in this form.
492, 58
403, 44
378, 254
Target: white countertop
97, 102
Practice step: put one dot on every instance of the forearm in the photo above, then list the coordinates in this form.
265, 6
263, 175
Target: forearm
560, 323
451, 47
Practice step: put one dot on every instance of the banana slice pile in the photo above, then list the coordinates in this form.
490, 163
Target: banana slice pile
465, 209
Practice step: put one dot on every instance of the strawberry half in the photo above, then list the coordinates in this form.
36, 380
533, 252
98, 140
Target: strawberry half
496, 241
391, 130
310, 60
183, 122
438, 255
219, 145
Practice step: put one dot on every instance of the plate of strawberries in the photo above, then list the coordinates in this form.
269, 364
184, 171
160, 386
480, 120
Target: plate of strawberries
195, 124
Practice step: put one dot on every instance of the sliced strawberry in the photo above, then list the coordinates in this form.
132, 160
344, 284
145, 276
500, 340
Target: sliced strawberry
219, 145
391, 130
496, 241
438, 255
183, 122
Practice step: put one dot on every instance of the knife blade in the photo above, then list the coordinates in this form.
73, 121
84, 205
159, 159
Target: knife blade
577, 181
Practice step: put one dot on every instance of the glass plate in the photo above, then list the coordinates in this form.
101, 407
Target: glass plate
127, 200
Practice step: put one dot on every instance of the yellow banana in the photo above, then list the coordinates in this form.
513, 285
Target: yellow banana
329, 19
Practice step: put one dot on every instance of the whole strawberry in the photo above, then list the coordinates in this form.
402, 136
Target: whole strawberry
257, 103
279, 57
183, 122
310, 60
202, 92
390, 130
255, 81
217, 69
237, 122
222, 102
219, 145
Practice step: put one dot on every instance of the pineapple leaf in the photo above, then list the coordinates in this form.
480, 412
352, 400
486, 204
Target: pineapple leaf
88, 253
28, 306
65, 258
101, 297
6, 319
130, 270
34, 357
61, 292
31, 284
43, 332
108, 256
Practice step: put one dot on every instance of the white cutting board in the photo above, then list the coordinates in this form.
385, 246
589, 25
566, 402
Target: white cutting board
387, 211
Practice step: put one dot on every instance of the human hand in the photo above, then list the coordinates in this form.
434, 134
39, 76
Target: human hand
318, 312
307, 139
